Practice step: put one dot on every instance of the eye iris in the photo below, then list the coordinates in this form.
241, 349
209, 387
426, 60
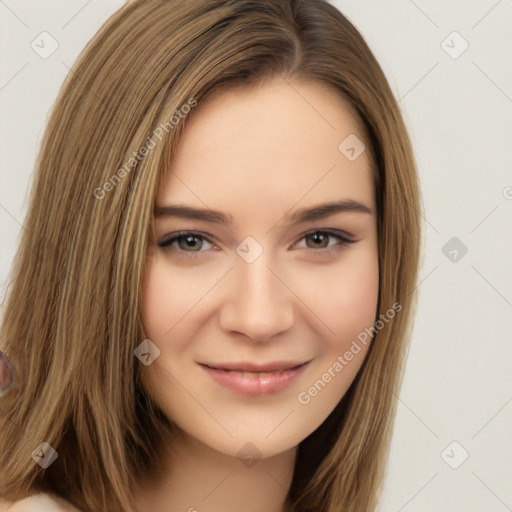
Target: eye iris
189, 241
317, 237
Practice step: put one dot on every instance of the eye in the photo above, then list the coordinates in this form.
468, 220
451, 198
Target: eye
188, 244
320, 240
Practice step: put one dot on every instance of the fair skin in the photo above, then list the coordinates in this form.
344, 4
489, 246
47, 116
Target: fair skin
40, 502
257, 156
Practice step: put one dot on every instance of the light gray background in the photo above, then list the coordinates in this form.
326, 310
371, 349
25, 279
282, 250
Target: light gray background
458, 383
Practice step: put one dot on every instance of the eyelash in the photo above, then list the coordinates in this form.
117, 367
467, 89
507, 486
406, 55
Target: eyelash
167, 241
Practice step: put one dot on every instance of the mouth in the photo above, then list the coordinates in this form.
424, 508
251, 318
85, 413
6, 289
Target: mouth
252, 379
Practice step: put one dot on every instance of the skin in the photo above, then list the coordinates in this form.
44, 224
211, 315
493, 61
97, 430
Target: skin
259, 156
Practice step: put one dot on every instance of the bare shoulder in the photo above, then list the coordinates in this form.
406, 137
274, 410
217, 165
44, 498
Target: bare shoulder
42, 502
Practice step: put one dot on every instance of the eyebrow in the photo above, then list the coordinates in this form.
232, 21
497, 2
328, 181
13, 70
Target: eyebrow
304, 215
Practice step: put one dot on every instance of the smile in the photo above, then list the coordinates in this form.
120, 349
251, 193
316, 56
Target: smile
252, 380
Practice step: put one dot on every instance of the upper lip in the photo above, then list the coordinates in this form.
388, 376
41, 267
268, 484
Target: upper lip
256, 368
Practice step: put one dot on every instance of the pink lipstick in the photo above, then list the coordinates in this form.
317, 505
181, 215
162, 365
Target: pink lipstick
251, 379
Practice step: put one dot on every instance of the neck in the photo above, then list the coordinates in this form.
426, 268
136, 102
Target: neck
197, 478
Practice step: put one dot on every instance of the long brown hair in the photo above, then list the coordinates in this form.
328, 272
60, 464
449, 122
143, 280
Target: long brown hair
72, 319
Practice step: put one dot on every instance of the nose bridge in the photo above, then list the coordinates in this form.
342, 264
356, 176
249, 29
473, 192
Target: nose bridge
259, 305
257, 282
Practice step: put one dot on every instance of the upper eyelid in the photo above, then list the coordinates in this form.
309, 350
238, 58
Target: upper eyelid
345, 237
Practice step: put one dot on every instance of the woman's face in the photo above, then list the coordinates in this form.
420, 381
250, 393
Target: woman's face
255, 309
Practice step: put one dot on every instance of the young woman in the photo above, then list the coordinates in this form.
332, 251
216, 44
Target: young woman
215, 286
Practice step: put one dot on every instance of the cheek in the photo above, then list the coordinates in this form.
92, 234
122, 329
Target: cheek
160, 305
169, 296
343, 297
357, 303
350, 310
346, 302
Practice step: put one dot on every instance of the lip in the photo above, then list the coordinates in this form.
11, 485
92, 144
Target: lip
253, 379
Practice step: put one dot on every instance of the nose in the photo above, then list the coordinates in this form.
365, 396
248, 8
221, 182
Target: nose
258, 303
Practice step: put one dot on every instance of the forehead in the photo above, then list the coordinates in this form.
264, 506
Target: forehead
245, 150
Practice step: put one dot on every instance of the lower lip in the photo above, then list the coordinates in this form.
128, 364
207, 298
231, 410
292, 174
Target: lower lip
252, 385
